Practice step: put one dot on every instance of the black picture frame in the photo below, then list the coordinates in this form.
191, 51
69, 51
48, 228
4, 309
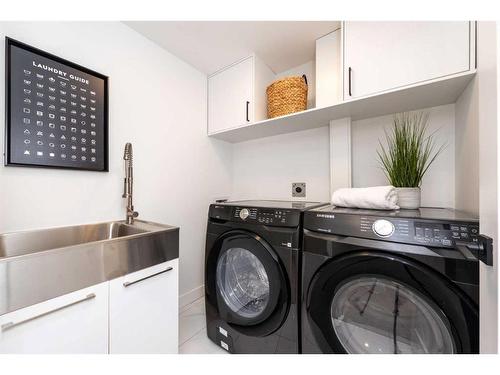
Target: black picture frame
9, 43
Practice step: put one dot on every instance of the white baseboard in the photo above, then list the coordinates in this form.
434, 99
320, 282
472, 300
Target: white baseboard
191, 296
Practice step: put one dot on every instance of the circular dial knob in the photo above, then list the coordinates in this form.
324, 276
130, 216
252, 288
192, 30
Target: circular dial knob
244, 214
383, 228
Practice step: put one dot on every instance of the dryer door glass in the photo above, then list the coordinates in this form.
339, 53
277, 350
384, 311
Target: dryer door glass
243, 282
378, 315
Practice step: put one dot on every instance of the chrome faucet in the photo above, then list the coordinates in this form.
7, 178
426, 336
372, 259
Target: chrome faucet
128, 184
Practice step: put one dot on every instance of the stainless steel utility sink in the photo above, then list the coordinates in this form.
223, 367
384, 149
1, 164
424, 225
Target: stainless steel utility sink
38, 265
21, 243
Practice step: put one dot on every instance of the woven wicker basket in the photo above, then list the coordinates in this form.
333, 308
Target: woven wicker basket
287, 95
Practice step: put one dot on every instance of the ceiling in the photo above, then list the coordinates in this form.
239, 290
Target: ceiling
212, 45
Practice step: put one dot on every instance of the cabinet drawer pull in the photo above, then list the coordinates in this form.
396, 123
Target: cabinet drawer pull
248, 118
127, 283
350, 75
11, 325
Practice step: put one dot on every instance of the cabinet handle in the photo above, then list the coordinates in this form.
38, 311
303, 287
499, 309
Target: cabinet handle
11, 325
248, 103
127, 283
350, 75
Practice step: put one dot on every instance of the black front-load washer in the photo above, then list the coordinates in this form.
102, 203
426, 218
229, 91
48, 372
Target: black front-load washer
389, 282
252, 275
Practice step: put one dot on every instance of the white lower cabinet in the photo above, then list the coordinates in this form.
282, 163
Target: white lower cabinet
135, 313
143, 315
74, 323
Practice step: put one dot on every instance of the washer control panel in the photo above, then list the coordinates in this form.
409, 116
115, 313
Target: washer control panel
429, 233
437, 233
378, 227
445, 234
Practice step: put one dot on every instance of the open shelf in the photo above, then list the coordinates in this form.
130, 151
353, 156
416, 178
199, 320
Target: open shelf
429, 94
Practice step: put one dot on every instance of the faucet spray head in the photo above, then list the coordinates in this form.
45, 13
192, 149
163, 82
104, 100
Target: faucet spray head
127, 157
127, 153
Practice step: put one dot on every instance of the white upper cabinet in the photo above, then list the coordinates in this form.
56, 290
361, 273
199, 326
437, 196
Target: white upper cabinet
236, 95
380, 56
230, 97
75, 323
328, 69
143, 311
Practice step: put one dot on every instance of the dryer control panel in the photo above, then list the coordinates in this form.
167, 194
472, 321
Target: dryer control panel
256, 215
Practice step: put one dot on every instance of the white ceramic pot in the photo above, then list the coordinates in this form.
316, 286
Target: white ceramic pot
408, 198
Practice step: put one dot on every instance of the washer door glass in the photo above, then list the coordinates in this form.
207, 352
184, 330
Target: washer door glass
376, 315
243, 282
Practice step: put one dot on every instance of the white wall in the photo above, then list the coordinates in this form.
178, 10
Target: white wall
476, 114
158, 103
467, 150
265, 168
487, 121
438, 185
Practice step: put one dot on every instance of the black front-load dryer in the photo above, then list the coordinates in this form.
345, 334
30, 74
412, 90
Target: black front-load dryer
389, 282
252, 275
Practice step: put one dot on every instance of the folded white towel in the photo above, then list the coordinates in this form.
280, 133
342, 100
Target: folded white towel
377, 198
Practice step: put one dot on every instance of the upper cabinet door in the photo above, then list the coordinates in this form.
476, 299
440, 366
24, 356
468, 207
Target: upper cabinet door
380, 56
143, 311
75, 323
230, 97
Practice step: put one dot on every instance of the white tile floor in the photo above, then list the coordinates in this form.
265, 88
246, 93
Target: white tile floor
192, 331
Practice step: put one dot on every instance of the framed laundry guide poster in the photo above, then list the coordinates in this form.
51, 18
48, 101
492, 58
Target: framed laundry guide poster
56, 112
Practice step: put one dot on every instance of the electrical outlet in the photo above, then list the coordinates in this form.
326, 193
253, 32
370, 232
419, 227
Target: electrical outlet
299, 189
